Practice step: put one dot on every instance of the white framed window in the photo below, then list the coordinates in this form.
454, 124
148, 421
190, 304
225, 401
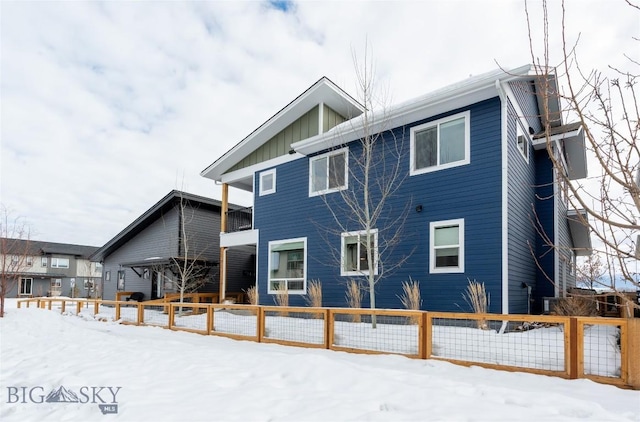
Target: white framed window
29, 260
446, 246
522, 142
572, 262
59, 262
26, 286
288, 266
268, 182
15, 259
43, 261
56, 282
354, 253
328, 172
440, 144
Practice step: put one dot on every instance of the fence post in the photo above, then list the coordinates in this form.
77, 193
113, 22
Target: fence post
78, 307
328, 328
117, 311
573, 347
209, 319
428, 335
172, 315
632, 345
140, 314
49, 304
260, 326
63, 306
96, 307
422, 335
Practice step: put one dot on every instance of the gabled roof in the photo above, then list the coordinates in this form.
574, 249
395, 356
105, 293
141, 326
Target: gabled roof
151, 215
323, 91
471, 90
39, 247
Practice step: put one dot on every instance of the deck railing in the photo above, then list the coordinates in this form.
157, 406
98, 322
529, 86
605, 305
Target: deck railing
600, 349
239, 220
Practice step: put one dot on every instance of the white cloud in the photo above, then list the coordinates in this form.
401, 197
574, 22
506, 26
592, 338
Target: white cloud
108, 106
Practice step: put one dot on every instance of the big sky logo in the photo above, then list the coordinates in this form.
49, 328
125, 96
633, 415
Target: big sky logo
104, 397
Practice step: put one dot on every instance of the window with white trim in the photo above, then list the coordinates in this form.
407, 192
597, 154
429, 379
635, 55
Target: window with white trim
440, 144
29, 261
43, 261
522, 142
26, 286
354, 253
59, 262
268, 182
288, 266
328, 172
446, 246
56, 282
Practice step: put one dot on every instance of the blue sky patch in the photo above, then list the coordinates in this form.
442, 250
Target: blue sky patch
285, 5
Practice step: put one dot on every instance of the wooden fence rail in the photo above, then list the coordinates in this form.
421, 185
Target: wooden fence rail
601, 349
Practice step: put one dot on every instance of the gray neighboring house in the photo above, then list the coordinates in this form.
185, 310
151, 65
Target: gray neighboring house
142, 257
55, 269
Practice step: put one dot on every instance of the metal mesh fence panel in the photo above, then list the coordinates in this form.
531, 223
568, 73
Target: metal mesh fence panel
129, 312
518, 344
155, 315
299, 326
191, 317
236, 320
392, 333
602, 353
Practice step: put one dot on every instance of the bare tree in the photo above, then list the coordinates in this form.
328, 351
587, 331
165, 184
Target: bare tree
605, 103
14, 252
591, 273
190, 267
362, 213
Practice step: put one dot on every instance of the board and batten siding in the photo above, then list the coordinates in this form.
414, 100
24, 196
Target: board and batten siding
521, 218
471, 192
159, 239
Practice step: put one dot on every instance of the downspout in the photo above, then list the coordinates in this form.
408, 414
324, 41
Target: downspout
504, 168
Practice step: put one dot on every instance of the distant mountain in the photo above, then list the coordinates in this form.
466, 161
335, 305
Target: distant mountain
61, 395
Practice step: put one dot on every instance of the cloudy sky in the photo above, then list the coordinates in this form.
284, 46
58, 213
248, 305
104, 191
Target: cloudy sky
106, 107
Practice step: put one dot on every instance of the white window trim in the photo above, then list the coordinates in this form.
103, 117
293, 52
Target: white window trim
361, 233
43, 261
273, 188
432, 252
24, 280
467, 144
344, 151
29, 261
57, 262
273, 243
527, 142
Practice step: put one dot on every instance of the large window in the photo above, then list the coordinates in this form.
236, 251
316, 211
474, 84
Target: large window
288, 266
354, 253
446, 246
328, 172
59, 262
26, 286
268, 182
440, 144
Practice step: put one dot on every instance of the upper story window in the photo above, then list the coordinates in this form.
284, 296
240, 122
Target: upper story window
354, 252
446, 246
522, 142
59, 262
43, 261
328, 172
440, 144
268, 182
29, 260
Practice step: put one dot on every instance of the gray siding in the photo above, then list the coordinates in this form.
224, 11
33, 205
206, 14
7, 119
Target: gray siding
160, 239
521, 231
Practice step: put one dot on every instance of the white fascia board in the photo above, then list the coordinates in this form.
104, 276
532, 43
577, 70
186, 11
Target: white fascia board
503, 93
449, 98
243, 173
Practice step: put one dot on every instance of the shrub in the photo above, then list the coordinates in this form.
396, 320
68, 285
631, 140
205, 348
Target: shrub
476, 297
252, 295
575, 306
354, 297
281, 298
411, 297
314, 296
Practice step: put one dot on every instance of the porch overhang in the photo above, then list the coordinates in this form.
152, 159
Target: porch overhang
580, 233
571, 137
138, 267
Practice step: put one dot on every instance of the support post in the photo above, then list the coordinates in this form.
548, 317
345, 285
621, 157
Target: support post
222, 267
632, 343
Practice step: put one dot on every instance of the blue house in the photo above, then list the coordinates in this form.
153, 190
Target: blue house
474, 195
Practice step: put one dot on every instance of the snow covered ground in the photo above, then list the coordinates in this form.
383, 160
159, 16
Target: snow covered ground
98, 371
